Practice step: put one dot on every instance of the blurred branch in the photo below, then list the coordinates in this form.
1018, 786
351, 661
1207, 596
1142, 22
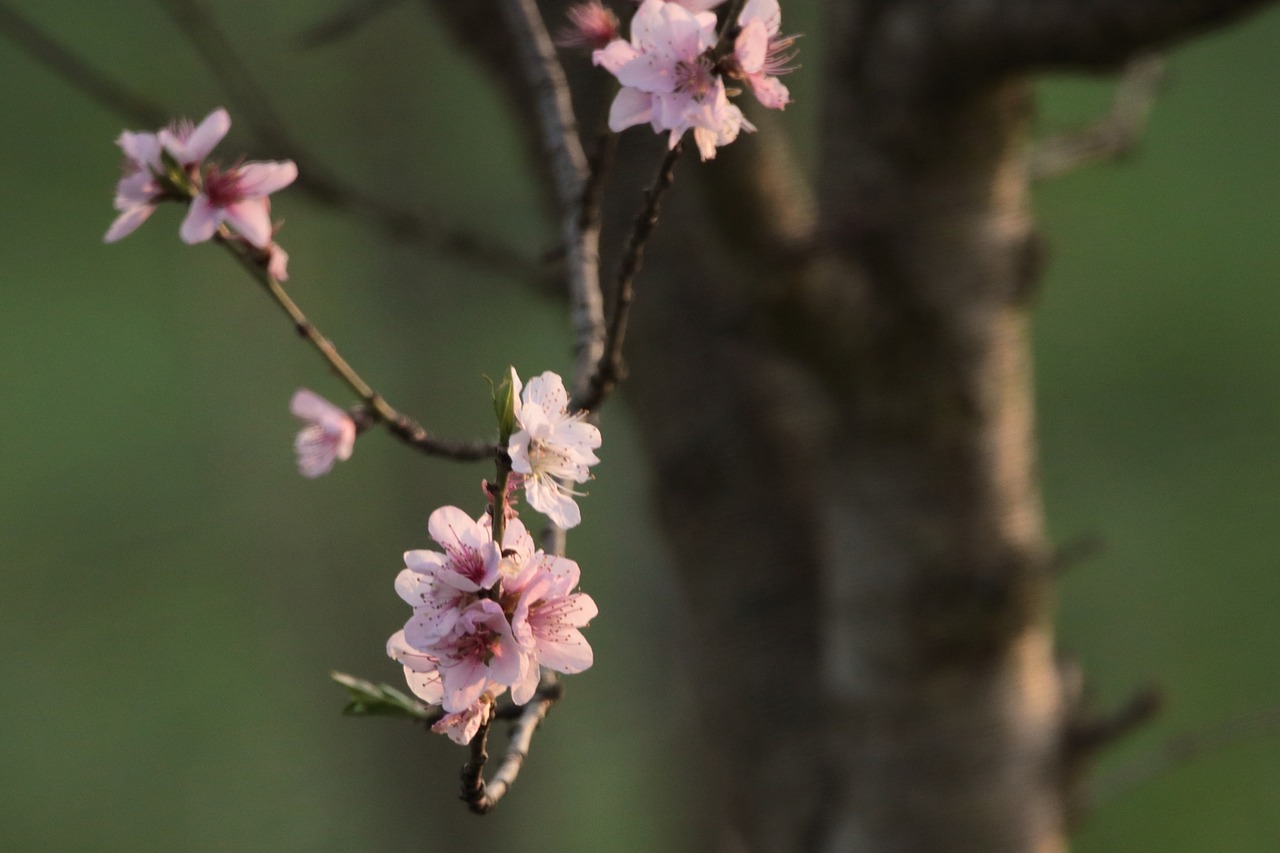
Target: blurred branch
1075, 551
481, 796
397, 223
93, 84
580, 229
1115, 135
610, 369
401, 425
345, 21
231, 72
1089, 736
1018, 35
1184, 749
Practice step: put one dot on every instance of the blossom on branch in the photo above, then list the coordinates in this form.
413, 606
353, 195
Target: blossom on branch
590, 25
552, 447
486, 619
144, 182
761, 54
329, 433
237, 197
670, 78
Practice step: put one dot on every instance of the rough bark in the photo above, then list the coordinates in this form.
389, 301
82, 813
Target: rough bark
836, 399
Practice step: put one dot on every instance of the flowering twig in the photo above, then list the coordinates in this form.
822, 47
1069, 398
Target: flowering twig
580, 232
401, 425
482, 796
610, 370
397, 223
220, 57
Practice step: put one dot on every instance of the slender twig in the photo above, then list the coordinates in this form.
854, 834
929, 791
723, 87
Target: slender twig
482, 796
598, 170
559, 130
401, 425
397, 223
1186, 748
610, 369
1095, 733
1115, 135
219, 55
344, 22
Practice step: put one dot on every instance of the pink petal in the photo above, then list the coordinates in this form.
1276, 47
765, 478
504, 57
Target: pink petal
127, 222
630, 107
614, 55
767, 12
751, 46
251, 218
769, 91
527, 685
207, 135
569, 652
309, 405
258, 179
142, 148
454, 529
201, 222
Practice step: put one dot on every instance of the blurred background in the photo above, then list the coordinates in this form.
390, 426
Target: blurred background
173, 594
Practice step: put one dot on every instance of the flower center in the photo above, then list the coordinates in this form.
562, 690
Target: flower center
222, 188
695, 78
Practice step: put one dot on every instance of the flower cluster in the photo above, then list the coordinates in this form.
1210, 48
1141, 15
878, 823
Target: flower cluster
486, 619
169, 165
488, 615
673, 72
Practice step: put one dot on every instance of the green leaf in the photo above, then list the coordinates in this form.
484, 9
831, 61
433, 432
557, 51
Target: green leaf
369, 699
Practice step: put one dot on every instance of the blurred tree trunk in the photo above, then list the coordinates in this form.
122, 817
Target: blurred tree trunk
835, 393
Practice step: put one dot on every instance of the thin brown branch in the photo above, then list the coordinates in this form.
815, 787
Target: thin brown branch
580, 231
1186, 748
1016, 35
219, 55
397, 223
346, 21
401, 425
610, 369
1110, 138
482, 796
1087, 737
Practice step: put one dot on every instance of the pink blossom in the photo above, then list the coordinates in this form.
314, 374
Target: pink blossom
761, 54
421, 671
189, 144
480, 650
590, 25
329, 433
669, 78
546, 620
237, 197
552, 447
461, 726
141, 187
439, 585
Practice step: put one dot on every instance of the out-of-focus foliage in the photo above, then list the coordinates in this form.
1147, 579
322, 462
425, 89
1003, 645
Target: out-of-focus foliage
174, 594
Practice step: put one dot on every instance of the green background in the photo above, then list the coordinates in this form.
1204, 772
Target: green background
174, 594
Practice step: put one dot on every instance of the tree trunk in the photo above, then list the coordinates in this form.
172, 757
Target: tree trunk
835, 393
